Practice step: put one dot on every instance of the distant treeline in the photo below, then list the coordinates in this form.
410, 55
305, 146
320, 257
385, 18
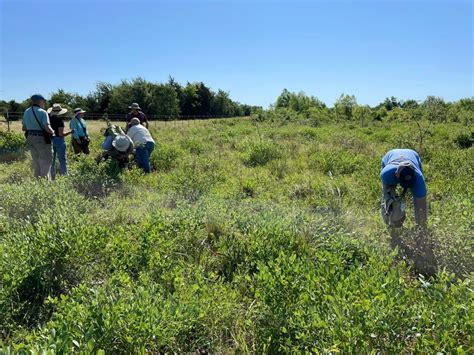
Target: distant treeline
293, 106
168, 100
172, 100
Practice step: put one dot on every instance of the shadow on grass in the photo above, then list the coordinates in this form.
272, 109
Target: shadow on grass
416, 247
12, 156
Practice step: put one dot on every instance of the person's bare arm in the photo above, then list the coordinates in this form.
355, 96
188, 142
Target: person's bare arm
62, 133
49, 129
421, 211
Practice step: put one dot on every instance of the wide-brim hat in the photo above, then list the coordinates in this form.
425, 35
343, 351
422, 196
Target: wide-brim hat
121, 143
56, 110
78, 111
135, 106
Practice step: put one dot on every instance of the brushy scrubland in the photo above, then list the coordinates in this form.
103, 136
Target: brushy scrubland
248, 237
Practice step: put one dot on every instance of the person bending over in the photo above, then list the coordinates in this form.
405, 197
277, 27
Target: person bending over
402, 167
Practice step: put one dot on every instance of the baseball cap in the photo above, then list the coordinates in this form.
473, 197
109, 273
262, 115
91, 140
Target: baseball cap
37, 97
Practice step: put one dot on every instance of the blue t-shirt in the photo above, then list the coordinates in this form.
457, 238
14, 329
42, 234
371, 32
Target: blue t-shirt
389, 168
29, 120
79, 126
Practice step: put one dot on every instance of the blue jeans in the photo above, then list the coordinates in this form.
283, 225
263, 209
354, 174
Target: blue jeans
59, 150
142, 156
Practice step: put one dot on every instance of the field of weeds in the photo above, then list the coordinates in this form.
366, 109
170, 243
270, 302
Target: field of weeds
247, 237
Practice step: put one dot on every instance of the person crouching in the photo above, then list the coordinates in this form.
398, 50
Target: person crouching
143, 142
117, 146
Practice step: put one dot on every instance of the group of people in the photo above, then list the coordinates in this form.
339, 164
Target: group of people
45, 136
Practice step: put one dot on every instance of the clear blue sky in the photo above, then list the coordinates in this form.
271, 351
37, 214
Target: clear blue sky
254, 49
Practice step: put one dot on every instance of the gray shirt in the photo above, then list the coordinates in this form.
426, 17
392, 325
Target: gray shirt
29, 120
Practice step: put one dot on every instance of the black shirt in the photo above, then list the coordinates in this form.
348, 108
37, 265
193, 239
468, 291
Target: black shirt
56, 122
140, 115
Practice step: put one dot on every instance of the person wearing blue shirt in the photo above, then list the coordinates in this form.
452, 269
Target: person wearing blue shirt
36, 125
80, 136
403, 167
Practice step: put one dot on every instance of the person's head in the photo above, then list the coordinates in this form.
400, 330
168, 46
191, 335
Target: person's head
135, 121
406, 175
121, 142
79, 112
38, 99
56, 110
135, 107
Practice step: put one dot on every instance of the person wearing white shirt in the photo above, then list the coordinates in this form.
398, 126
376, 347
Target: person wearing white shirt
143, 142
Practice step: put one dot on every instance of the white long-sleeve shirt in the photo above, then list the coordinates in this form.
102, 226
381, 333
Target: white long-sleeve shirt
139, 135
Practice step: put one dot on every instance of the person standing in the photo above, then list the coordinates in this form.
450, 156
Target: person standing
56, 113
38, 133
403, 167
143, 142
136, 113
80, 136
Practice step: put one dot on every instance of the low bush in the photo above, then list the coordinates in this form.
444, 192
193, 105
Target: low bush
259, 153
165, 156
464, 140
12, 146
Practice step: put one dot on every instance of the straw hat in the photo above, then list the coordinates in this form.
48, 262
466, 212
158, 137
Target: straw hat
121, 143
56, 110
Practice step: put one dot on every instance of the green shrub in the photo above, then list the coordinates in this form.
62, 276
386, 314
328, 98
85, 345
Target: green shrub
464, 140
193, 146
11, 142
337, 162
12, 146
95, 180
164, 156
260, 153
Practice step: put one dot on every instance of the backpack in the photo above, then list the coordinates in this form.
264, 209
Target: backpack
393, 210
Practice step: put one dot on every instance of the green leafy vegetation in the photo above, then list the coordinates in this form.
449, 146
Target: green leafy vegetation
258, 235
165, 100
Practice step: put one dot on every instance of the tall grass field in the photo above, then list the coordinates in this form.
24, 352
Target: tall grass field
248, 237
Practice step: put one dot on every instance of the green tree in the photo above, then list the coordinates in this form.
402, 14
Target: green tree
343, 107
222, 105
298, 102
410, 104
390, 103
435, 109
283, 100
163, 100
102, 95
363, 114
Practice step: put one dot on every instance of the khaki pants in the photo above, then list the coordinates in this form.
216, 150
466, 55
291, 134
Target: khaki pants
42, 155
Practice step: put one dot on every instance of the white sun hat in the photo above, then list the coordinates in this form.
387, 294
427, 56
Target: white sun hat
121, 143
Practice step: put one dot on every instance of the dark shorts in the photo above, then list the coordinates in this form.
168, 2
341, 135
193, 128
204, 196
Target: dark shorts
82, 147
